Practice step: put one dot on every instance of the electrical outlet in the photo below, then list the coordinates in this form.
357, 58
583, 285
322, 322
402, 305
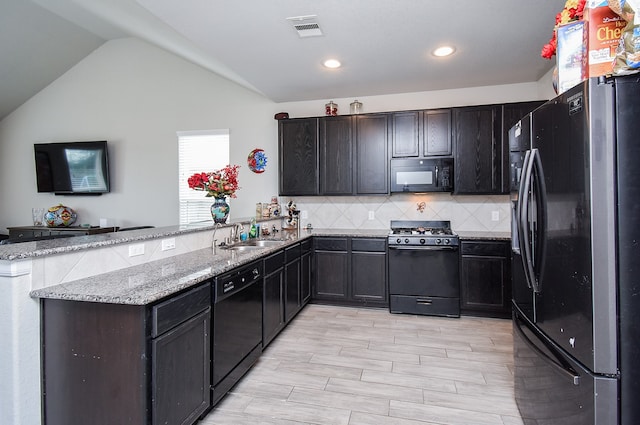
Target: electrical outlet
304, 214
372, 215
137, 249
168, 244
495, 215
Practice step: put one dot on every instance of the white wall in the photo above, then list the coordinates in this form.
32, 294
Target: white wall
137, 97
541, 90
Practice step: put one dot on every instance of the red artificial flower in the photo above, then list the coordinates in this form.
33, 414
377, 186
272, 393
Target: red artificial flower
567, 14
222, 182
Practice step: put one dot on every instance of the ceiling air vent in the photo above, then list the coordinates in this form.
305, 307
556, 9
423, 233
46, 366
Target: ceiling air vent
306, 26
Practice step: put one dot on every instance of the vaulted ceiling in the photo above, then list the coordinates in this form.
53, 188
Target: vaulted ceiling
384, 46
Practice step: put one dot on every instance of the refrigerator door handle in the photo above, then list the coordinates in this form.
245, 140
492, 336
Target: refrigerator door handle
541, 211
523, 222
562, 370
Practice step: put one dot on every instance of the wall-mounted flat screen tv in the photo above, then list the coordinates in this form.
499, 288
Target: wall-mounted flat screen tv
72, 168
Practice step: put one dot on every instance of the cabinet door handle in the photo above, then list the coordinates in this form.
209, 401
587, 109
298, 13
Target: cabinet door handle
424, 301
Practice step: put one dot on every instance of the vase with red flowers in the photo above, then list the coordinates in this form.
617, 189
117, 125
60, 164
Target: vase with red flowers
218, 184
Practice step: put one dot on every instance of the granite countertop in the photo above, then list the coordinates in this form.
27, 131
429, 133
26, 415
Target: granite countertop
149, 282
484, 235
21, 250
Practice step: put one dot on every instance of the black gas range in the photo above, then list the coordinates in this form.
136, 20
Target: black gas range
422, 233
424, 276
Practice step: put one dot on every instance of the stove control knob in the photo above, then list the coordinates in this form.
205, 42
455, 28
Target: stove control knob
422, 241
447, 241
398, 241
438, 241
406, 240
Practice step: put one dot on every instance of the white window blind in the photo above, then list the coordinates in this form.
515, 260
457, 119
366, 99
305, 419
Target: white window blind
199, 151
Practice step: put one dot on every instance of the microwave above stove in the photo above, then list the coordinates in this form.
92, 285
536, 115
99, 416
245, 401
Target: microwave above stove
421, 175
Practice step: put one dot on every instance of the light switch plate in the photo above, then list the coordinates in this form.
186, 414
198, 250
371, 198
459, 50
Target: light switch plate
372, 215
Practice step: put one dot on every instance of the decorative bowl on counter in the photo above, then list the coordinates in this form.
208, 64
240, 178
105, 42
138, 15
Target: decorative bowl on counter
60, 216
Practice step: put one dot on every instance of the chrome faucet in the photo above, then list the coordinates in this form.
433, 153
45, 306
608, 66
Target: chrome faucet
214, 240
235, 232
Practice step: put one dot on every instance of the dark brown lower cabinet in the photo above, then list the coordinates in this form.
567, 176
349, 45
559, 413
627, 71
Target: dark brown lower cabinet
287, 288
369, 271
331, 270
350, 271
293, 301
305, 271
485, 278
126, 364
272, 302
180, 382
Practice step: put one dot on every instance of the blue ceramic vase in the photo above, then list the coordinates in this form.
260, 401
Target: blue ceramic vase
220, 210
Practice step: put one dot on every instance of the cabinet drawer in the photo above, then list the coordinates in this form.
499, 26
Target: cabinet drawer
488, 248
431, 306
305, 245
331, 244
273, 262
368, 245
291, 253
176, 310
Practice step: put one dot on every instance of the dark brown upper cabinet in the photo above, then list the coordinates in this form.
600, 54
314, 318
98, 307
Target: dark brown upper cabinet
421, 133
437, 132
336, 155
405, 134
372, 158
477, 137
298, 157
354, 155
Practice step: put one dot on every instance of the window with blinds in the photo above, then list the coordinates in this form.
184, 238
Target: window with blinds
199, 151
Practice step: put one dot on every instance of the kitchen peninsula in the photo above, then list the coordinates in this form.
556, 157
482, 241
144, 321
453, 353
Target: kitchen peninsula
99, 269
35, 266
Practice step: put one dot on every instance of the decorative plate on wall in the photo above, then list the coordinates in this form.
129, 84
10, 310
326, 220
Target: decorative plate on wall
257, 161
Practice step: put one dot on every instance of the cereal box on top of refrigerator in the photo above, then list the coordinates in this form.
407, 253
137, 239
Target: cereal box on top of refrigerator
605, 28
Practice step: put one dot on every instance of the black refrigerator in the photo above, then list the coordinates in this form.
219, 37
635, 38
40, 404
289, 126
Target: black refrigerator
575, 197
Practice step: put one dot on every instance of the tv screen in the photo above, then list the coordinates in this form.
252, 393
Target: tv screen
72, 168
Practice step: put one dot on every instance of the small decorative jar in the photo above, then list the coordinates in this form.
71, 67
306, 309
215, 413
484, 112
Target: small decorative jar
331, 109
355, 107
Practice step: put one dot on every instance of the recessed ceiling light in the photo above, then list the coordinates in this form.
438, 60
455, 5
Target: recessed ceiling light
444, 51
332, 63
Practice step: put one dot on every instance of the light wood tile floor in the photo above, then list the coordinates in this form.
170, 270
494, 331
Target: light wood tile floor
354, 366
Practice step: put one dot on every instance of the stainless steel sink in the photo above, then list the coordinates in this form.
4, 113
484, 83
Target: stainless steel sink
263, 243
253, 244
241, 247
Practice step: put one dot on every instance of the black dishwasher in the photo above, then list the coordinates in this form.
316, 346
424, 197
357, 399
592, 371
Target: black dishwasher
237, 326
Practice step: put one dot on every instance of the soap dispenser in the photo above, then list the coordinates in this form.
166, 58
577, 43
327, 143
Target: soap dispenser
253, 230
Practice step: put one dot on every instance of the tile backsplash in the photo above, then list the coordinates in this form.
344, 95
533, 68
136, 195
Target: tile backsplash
466, 213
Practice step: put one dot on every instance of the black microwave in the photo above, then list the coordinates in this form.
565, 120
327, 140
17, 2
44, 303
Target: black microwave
421, 175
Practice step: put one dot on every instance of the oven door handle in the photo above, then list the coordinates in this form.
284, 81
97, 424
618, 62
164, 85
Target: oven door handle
424, 248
